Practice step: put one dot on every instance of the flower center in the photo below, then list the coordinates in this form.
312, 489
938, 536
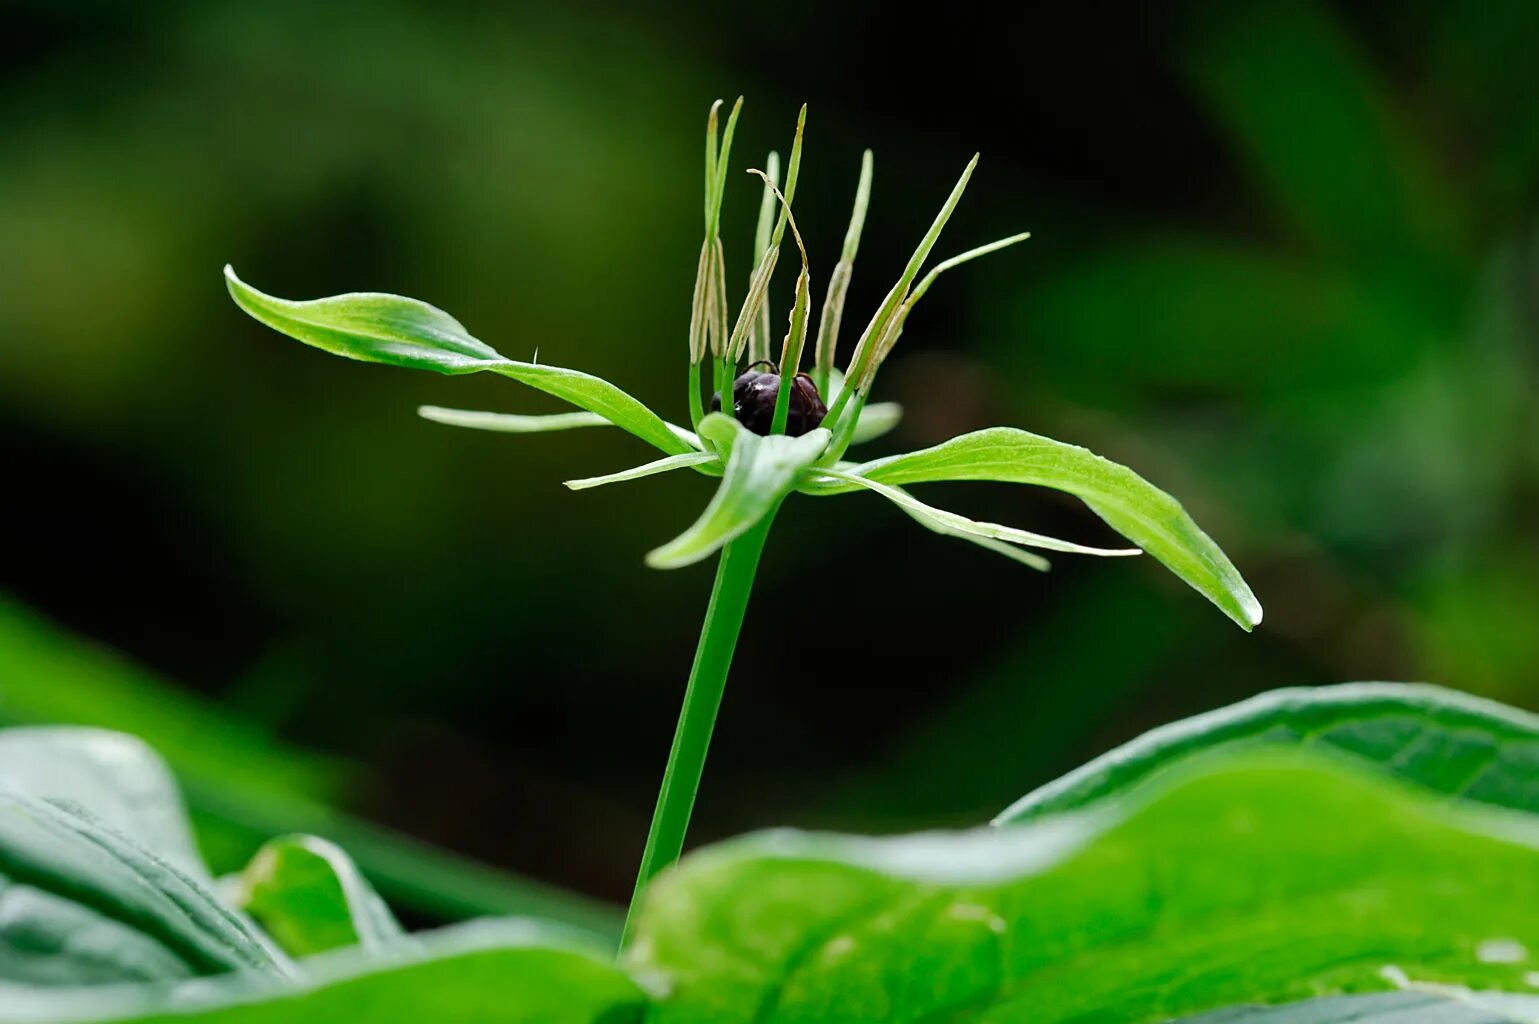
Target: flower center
753, 402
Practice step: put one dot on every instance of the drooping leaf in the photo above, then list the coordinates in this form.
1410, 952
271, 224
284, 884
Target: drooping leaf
1445, 741
84, 904
510, 423
1131, 505
666, 464
760, 472
380, 328
962, 525
1247, 879
1441, 1005
310, 897
488, 972
116, 778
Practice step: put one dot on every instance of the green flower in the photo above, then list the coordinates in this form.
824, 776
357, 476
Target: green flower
758, 472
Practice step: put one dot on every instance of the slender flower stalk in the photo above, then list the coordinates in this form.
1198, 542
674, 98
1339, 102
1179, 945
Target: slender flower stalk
772, 435
735, 571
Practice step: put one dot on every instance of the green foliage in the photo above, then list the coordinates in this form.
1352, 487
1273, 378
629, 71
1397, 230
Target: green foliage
1244, 878
1442, 740
88, 905
1308, 857
311, 898
243, 786
760, 472
398, 331
495, 972
1135, 508
122, 782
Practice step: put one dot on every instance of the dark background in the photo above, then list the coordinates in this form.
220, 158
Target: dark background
1284, 264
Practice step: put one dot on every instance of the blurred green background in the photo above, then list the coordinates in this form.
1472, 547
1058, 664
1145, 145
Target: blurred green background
1284, 263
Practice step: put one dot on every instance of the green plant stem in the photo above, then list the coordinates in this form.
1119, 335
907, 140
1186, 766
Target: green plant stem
707, 678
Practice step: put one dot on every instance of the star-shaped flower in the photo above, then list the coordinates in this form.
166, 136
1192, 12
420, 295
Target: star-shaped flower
759, 470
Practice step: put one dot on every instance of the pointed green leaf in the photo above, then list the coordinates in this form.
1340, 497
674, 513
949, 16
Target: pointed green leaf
1252, 878
311, 898
379, 328
510, 423
863, 364
115, 778
760, 472
1442, 740
1131, 505
667, 464
962, 525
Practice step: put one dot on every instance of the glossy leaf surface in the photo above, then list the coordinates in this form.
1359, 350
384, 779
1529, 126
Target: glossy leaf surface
1252, 879
1443, 740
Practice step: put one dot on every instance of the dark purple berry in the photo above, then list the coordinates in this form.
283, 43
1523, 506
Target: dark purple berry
753, 400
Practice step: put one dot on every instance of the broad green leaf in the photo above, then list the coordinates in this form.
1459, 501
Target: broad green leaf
1131, 505
84, 904
379, 328
1439, 1005
490, 972
1448, 742
116, 778
760, 472
666, 464
1254, 878
510, 423
961, 525
310, 897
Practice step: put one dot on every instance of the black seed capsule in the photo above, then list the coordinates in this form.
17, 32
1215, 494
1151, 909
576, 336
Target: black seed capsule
753, 400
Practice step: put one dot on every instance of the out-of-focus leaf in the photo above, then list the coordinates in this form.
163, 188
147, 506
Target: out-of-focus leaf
49, 676
1443, 740
1252, 878
115, 778
488, 972
876, 419
1303, 102
760, 472
87, 905
243, 787
380, 328
510, 423
1167, 312
309, 896
1131, 505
